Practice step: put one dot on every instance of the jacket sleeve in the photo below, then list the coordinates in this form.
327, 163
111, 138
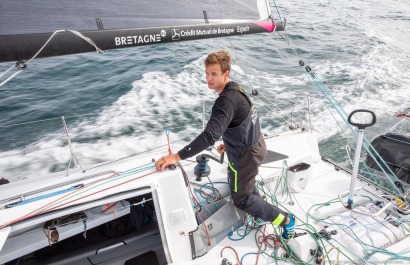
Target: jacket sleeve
223, 112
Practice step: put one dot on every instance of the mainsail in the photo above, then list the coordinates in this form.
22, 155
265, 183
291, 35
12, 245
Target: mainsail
26, 25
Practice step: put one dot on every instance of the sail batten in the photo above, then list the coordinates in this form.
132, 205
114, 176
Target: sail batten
26, 25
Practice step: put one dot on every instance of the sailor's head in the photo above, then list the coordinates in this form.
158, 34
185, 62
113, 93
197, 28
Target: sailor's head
217, 68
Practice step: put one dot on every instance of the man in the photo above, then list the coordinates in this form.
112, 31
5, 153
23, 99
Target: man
235, 119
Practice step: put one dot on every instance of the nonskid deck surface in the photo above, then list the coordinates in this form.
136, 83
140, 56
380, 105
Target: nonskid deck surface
326, 230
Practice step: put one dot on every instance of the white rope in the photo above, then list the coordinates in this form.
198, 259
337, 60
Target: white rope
348, 154
24, 64
78, 34
10, 77
90, 41
5, 72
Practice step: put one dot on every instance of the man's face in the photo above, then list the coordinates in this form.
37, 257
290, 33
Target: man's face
215, 78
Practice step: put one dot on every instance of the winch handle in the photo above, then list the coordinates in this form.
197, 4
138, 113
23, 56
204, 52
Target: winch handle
201, 157
361, 126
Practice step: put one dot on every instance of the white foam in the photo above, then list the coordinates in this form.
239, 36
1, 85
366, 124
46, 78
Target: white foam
157, 99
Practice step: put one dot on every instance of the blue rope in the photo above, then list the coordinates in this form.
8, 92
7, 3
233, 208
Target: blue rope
45, 196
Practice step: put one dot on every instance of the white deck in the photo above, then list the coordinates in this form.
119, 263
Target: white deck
174, 210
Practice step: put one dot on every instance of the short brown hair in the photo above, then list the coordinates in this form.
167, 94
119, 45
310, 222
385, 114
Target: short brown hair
220, 57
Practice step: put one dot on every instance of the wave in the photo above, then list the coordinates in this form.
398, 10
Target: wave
127, 98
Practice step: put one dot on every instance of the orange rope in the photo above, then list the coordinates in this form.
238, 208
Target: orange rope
109, 207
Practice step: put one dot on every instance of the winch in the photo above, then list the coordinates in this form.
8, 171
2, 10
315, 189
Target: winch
202, 169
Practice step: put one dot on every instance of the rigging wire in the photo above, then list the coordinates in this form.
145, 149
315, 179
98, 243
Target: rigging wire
271, 106
277, 111
254, 92
21, 65
277, 9
84, 141
146, 151
199, 69
342, 114
94, 113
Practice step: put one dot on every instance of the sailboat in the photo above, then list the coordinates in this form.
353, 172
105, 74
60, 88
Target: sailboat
126, 212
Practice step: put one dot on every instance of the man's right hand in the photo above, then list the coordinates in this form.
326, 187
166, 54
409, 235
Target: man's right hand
221, 149
166, 161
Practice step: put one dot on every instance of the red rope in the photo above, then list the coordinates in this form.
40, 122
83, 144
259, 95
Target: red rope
119, 184
33, 213
196, 202
236, 253
169, 145
38, 210
264, 239
402, 115
109, 207
260, 243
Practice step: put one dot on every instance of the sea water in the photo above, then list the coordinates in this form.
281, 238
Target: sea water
119, 103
